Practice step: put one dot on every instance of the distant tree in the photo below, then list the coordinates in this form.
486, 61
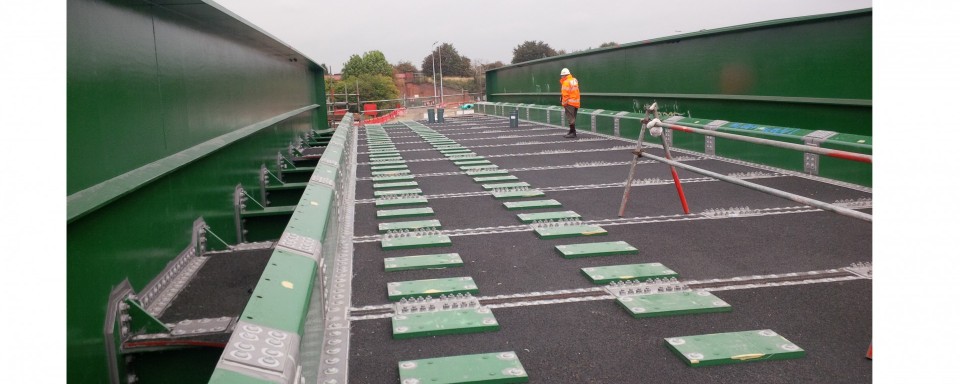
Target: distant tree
532, 50
372, 87
371, 63
493, 65
453, 63
326, 69
609, 44
564, 52
404, 67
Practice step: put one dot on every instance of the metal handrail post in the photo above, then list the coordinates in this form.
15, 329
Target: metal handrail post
757, 187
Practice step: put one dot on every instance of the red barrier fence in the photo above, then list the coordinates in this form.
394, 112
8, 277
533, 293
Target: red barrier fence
385, 118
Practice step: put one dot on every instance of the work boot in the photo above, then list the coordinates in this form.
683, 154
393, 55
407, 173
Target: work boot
571, 135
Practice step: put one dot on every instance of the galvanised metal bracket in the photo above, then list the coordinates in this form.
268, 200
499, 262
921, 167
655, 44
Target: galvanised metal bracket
158, 294
140, 321
811, 161
616, 123
593, 119
115, 329
264, 180
239, 205
710, 142
280, 166
264, 353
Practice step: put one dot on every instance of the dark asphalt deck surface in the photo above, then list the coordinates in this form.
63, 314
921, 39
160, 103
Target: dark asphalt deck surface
597, 341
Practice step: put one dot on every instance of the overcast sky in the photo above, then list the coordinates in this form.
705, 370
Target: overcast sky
329, 32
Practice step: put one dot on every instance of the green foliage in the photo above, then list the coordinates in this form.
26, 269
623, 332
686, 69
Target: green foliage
372, 87
371, 63
609, 44
532, 50
453, 63
404, 67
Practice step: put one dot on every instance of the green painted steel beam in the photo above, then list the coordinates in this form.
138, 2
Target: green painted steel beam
85, 201
400, 202
486, 368
269, 211
434, 261
404, 212
569, 231
531, 204
447, 322
517, 194
431, 288
673, 304
733, 348
612, 248
626, 272
505, 185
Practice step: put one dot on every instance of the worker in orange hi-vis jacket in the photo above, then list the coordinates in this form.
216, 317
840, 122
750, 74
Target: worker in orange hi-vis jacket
570, 99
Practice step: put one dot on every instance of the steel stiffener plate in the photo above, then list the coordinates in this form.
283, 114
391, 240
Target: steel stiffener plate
408, 225
449, 322
415, 241
532, 217
572, 251
733, 348
642, 272
500, 368
404, 212
673, 303
532, 204
440, 260
569, 231
400, 202
431, 288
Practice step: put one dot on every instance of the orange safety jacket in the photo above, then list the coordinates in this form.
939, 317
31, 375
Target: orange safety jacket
569, 92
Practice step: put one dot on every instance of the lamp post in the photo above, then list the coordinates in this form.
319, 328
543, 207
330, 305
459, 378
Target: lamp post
433, 59
440, 54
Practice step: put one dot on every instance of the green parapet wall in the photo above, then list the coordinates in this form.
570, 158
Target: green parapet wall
627, 125
191, 101
810, 72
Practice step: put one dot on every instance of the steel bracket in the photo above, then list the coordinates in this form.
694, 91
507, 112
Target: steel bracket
593, 120
239, 205
811, 161
710, 142
264, 353
616, 123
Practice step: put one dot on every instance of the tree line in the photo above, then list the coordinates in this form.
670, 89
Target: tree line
373, 74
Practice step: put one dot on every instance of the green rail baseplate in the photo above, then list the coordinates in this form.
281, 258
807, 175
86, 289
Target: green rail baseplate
431, 288
439, 260
572, 251
381, 160
733, 348
404, 212
388, 167
673, 303
416, 241
400, 202
449, 322
408, 225
388, 162
495, 178
569, 231
471, 162
400, 184
390, 173
487, 368
532, 217
505, 185
478, 167
517, 194
392, 178
532, 204
641, 272
488, 172
392, 192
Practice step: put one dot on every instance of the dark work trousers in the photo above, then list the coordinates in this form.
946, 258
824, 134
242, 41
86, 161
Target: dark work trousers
571, 114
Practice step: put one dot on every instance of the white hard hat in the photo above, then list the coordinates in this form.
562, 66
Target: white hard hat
564, 72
